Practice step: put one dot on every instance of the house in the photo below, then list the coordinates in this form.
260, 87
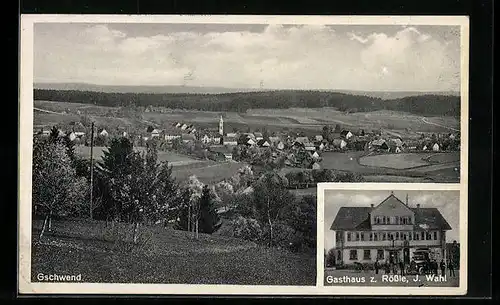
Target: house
232, 134
263, 143
274, 140
172, 136
379, 144
251, 142
44, 133
310, 146
187, 137
391, 230
425, 147
318, 138
396, 145
184, 126
79, 134
222, 152
103, 133
320, 146
178, 125
339, 143
258, 136
231, 141
72, 136
346, 134
315, 155
155, 133
301, 140
451, 136
316, 165
435, 147
280, 145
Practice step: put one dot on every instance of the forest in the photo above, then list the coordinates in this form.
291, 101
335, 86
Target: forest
426, 105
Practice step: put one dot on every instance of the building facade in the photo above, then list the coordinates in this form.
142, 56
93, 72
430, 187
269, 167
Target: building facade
390, 231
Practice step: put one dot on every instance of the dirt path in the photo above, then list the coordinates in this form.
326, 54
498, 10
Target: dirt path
48, 111
436, 124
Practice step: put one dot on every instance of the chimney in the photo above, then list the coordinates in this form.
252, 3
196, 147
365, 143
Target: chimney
406, 199
418, 205
371, 205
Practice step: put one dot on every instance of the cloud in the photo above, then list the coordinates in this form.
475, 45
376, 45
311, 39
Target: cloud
302, 57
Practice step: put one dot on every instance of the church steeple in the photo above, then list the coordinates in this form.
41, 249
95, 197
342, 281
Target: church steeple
221, 126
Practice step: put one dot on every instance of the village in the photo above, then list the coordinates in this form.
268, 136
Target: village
280, 149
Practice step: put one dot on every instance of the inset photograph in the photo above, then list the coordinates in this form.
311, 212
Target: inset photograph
392, 238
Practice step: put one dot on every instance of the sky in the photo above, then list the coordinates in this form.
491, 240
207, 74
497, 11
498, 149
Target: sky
342, 57
447, 202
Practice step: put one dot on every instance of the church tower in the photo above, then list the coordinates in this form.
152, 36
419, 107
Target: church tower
221, 126
221, 130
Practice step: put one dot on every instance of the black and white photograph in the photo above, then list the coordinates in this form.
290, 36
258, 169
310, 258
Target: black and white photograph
392, 238
188, 149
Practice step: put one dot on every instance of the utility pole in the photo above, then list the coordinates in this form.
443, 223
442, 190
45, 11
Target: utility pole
91, 167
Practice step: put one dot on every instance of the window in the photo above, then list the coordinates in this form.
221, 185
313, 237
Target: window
348, 236
428, 236
375, 236
417, 236
422, 235
380, 254
397, 235
363, 237
384, 236
400, 220
367, 255
410, 235
371, 236
353, 255
357, 236
404, 236
435, 235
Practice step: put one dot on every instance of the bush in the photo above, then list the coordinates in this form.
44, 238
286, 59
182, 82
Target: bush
284, 236
247, 228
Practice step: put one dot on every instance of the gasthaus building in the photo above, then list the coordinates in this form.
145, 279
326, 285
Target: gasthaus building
390, 231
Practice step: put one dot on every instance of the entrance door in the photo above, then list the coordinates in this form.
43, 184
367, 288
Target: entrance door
393, 256
406, 255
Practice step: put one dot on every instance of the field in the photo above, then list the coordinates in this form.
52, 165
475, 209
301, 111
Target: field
173, 158
306, 119
372, 279
166, 256
414, 167
182, 166
209, 172
397, 161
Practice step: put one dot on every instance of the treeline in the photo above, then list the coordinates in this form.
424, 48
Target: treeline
241, 102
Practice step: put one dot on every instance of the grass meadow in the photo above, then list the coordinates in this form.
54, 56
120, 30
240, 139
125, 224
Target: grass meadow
164, 255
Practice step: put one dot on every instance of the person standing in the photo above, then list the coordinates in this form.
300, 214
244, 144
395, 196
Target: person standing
402, 267
376, 266
443, 268
451, 268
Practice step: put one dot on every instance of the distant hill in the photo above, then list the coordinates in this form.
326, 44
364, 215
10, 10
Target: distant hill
426, 105
386, 95
140, 89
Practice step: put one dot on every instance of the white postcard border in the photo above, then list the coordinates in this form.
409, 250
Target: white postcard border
25, 285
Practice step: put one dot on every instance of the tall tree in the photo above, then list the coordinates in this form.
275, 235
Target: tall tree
209, 220
270, 198
56, 188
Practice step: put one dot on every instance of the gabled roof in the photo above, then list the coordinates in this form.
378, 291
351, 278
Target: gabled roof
274, 139
302, 140
258, 134
379, 142
358, 218
261, 142
344, 132
230, 139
